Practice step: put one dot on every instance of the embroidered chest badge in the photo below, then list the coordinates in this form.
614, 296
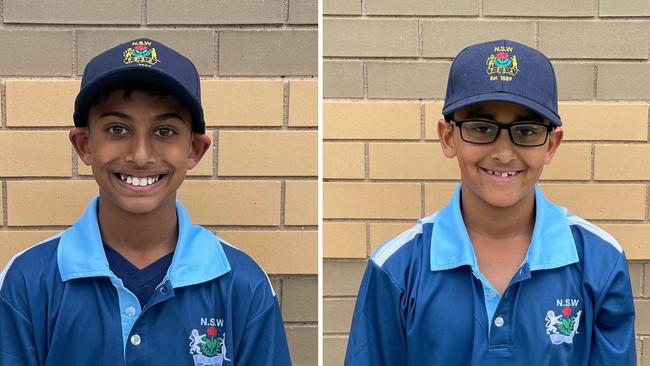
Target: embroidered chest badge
502, 64
141, 53
562, 327
208, 349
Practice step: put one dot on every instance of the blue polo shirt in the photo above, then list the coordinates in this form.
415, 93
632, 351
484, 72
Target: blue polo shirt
61, 305
424, 301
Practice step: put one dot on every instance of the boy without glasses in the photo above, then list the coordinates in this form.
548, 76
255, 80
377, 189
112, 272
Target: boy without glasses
133, 281
499, 276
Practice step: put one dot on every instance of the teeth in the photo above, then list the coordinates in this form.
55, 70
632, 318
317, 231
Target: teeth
504, 174
139, 182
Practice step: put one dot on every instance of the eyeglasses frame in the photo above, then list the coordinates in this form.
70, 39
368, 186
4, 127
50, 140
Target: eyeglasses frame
500, 126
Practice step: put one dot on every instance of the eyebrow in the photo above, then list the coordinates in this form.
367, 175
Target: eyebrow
171, 115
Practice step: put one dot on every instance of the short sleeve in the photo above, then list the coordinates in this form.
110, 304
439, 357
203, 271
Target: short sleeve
613, 340
377, 336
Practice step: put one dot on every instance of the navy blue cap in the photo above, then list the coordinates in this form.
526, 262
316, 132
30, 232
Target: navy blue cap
141, 60
504, 71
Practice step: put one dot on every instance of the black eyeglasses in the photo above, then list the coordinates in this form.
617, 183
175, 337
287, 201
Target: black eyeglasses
485, 131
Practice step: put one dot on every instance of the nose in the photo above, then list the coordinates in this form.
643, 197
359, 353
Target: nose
503, 149
141, 152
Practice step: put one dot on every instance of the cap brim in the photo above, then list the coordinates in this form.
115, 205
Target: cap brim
90, 92
505, 97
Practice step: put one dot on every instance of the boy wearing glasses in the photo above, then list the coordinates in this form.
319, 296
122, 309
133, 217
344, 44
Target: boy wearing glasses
499, 276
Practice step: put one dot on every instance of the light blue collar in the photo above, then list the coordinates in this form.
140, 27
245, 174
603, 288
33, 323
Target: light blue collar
199, 256
552, 243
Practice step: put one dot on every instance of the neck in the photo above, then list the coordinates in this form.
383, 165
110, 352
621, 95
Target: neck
140, 238
498, 223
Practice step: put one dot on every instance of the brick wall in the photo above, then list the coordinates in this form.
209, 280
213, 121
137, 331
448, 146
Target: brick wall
257, 188
384, 73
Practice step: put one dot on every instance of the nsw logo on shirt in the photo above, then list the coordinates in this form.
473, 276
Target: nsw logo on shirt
208, 343
562, 327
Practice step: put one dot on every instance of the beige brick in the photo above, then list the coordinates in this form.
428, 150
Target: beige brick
342, 79
410, 161
343, 160
380, 232
270, 153
623, 81
303, 11
268, 52
337, 315
371, 200
300, 299
232, 202
436, 196
372, 37
303, 103
343, 7
374, 120
278, 252
571, 162
600, 201
49, 52
575, 81
596, 121
34, 154
553, 40
47, 202
303, 345
410, 80
622, 162
632, 237
55, 102
334, 348
624, 8
14, 242
83, 169
445, 38
643, 344
342, 278
242, 102
642, 325
421, 7
90, 43
533, 8
639, 348
344, 240
636, 273
211, 12
204, 167
432, 114
72, 12
301, 205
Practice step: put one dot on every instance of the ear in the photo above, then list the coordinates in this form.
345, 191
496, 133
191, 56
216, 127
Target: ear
200, 145
446, 135
80, 139
554, 141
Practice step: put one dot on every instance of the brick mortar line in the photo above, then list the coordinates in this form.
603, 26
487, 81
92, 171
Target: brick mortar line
368, 239
480, 8
3, 104
75, 54
448, 59
143, 13
215, 153
286, 90
357, 220
437, 100
490, 18
5, 204
157, 27
283, 202
592, 162
364, 78
216, 43
285, 11
75, 162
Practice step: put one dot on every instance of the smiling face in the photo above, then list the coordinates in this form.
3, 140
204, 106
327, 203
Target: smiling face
140, 147
498, 174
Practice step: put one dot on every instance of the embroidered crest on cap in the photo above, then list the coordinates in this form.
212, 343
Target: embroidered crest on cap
502, 64
141, 53
208, 348
562, 327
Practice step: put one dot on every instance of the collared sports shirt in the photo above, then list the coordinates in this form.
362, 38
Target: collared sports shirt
61, 305
424, 301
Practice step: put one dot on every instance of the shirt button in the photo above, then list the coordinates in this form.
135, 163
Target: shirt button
130, 311
136, 340
498, 321
492, 293
163, 290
